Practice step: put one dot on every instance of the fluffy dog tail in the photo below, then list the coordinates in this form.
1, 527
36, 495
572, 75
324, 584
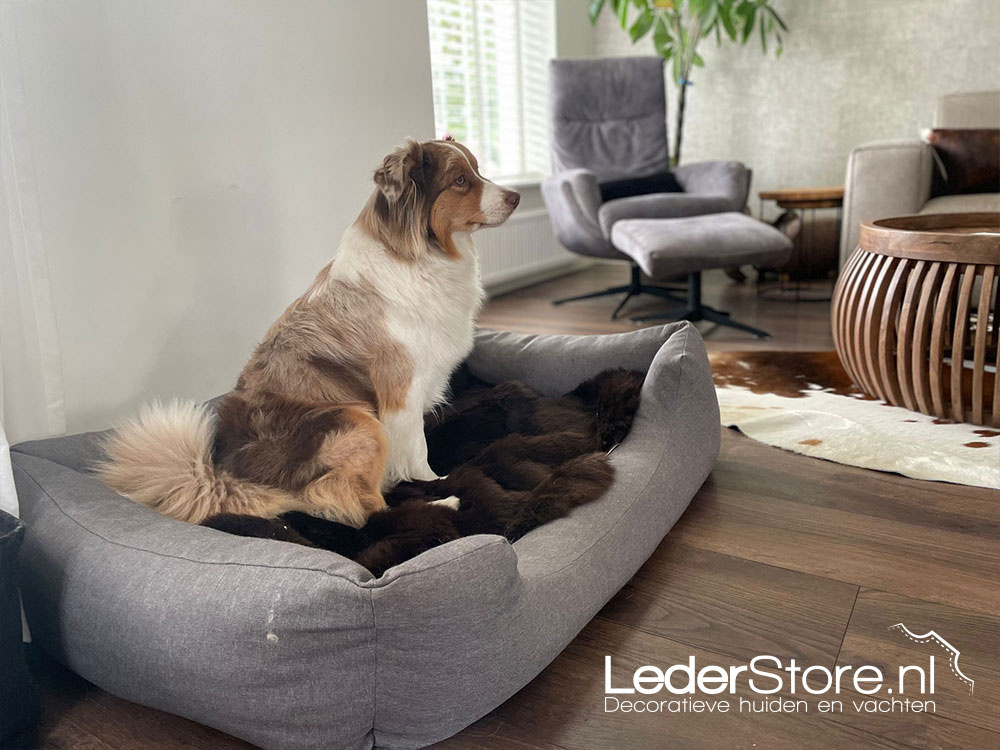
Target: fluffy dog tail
575, 482
163, 459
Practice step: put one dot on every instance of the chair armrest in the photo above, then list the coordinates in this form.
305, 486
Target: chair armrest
885, 178
573, 198
661, 206
730, 179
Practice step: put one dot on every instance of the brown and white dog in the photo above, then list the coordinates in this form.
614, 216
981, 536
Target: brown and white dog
329, 411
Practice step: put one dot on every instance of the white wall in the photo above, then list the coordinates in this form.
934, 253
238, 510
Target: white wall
195, 163
852, 71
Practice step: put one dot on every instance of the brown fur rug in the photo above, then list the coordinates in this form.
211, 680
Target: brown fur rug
515, 460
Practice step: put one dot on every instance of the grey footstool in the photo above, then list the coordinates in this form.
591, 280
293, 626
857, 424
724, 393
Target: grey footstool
298, 648
666, 248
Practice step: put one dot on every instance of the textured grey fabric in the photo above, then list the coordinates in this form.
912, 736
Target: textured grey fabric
291, 647
514, 608
554, 365
78, 452
609, 116
962, 204
661, 206
573, 200
671, 247
177, 617
887, 178
729, 179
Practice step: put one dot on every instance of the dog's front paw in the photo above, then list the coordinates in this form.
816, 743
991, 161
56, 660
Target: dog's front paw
448, 502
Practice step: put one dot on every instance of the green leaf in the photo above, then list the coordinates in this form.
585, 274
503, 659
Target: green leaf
677, 69
776, 17
726, 16
621, 8
698, 61
595, 9
763, 36
747, 12
662, 40
642, 26
709, 17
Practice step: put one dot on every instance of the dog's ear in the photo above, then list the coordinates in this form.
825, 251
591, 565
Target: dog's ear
402, 171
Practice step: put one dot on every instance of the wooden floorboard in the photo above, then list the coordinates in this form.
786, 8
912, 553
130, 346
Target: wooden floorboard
779, 553
800, 531
870, 640
735, 607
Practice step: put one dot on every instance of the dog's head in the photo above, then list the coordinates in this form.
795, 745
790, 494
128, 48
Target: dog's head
426, 192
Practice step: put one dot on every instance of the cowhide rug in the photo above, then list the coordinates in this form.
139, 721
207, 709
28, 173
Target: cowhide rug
804, 402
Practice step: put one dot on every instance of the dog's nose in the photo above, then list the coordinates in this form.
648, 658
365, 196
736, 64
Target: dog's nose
511, 198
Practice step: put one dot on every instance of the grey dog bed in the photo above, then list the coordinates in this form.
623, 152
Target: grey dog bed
292, 647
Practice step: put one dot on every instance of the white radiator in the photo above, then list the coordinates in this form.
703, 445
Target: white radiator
520, 252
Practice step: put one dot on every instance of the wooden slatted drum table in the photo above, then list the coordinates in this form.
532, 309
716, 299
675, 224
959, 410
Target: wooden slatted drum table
915, 314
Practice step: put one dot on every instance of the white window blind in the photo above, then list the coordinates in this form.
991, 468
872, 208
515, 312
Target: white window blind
489, 63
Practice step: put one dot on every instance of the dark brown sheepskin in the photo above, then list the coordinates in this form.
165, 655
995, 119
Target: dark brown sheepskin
516, 460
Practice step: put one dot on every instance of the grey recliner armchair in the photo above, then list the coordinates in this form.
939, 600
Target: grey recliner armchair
608, 130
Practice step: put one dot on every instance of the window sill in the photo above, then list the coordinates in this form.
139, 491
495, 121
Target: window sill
519, 183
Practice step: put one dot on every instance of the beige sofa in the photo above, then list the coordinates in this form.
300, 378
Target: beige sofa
893, 178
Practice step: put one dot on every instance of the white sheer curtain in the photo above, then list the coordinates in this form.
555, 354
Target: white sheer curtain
31, 394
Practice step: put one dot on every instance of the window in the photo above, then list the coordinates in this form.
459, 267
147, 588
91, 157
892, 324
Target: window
489, 65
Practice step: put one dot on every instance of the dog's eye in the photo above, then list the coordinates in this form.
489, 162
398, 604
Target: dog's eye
460, 180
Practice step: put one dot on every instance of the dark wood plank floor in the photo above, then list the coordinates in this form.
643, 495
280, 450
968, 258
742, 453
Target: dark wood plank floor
779, 553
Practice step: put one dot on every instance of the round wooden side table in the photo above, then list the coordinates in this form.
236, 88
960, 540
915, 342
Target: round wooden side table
915, 314
804, 255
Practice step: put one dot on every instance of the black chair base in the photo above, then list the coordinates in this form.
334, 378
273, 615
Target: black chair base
696, 311
630, 290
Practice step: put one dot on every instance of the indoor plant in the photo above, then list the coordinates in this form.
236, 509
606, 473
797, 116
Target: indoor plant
678, 26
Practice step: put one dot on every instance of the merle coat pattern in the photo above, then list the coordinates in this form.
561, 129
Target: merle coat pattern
515, 460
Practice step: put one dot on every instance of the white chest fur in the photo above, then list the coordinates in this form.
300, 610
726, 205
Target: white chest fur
431, 306
431, 311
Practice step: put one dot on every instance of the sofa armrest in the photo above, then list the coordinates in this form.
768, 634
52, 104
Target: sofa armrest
661, 206
884, 178
729, 179
573, 198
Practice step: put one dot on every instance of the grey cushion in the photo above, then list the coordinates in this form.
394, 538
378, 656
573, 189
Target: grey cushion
609, 116
291, 647
728, 179
660, 206
671, 247
962, 204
